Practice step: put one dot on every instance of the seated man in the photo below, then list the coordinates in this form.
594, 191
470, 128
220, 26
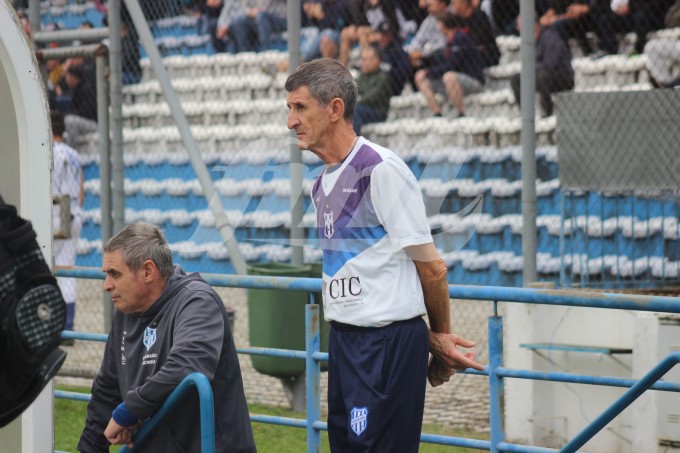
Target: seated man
82, 115
367, 15
395, 60
428, 39
330, 17
663, 62
476, 24
622, 16
254, 30
460, 73
167, 325
374, 91
553, 67
572, 19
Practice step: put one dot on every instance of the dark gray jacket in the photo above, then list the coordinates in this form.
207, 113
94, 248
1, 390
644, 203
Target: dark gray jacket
192, 334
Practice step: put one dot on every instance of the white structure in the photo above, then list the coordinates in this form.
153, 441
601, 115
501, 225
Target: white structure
25, 181
549, 414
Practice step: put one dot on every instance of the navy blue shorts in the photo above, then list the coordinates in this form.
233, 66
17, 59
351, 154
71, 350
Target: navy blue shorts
376, 386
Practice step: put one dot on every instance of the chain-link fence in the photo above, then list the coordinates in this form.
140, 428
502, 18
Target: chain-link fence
439, 85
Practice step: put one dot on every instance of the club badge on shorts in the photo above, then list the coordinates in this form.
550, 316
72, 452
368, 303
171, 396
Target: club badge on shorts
358, 419
149, 337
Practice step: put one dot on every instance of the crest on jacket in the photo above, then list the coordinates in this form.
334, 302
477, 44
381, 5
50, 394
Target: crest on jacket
149, 337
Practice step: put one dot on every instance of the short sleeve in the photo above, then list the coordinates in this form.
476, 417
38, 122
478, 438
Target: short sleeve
398, 204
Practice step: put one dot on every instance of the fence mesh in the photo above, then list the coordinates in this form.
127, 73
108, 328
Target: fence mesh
451, 111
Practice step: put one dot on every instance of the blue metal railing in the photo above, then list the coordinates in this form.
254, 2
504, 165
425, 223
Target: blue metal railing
206, 410
495, 370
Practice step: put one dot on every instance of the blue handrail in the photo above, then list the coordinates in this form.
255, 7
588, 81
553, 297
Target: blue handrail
495, 371
575, 298
206, 409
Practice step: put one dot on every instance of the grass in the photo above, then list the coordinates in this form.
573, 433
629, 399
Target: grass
70, 419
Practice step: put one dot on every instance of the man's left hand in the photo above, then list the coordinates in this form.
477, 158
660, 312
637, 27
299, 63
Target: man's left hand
119, 435
444, 347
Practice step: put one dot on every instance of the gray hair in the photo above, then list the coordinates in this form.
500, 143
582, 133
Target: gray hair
140, 242
326, 79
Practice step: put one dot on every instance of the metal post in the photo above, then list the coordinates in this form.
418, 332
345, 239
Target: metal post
496, 397
116, 86
313, 375
34, 17
296, 166
104, 165
528, 100
212, 197
84, 35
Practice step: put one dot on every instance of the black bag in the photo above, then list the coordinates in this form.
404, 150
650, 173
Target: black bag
32, 316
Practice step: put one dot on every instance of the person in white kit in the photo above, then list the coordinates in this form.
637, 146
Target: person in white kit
67, 179
381, 273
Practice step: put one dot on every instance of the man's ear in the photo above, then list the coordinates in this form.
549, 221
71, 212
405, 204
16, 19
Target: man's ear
337, 109
150, 271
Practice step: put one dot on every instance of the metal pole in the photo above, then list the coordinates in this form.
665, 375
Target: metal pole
313, 374
296, 166
104, 166
495, 326
214, 202
34, 18
528, 100
79, 34
116, 86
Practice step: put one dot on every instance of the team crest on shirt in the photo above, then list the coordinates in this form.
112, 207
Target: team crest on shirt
149, 337
328, 228
358, 419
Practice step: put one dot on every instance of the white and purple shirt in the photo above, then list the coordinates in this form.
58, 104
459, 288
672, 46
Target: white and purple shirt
368, 209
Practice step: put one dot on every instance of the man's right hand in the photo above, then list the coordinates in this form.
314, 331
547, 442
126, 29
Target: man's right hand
221, 32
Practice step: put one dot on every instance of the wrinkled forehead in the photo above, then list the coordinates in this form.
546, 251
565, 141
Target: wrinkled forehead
301, 96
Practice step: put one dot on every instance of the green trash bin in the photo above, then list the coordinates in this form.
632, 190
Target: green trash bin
277, 320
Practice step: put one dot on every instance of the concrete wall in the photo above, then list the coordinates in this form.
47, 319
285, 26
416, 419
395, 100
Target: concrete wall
549, 413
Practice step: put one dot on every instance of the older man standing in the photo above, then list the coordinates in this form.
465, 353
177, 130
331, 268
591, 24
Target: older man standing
381, 273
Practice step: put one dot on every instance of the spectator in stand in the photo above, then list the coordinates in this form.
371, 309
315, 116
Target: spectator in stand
366, 16
622, 16
233, 17
572, 19
413, 10
476, 24
82, 116
271, 17
553, 66
374, 91
429, 38
460, 72
330, 17
504, 14
663, 55
132, 70
208, 13
394, 58
254, 30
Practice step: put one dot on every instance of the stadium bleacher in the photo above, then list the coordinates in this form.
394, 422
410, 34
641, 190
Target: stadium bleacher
238, 114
